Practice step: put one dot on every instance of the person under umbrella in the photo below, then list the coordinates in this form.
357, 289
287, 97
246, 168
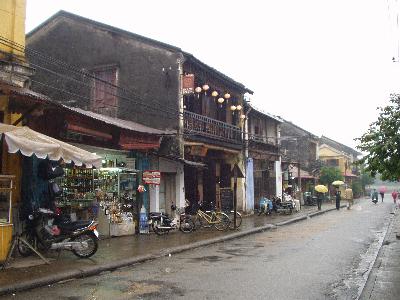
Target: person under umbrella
382, 191
320, 189
337, 183
337, 197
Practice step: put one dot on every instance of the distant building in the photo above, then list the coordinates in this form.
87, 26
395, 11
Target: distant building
335, 154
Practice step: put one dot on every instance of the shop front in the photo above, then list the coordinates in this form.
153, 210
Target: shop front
212, 186
22, 151
108, 194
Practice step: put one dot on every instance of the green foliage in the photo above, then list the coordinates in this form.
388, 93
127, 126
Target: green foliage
357, 188
366, 179
382, 142
329, 175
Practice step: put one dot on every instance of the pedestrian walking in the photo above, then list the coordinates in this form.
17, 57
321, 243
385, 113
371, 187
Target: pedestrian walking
348, 195
394, 196
320, 197
338, 198
382, 195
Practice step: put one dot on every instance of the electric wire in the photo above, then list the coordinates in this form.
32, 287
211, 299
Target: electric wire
86, 75
76, 70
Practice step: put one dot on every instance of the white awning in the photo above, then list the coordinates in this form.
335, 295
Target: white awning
31, 142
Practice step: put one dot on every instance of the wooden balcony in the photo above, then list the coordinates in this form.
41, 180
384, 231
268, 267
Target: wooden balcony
202, 126
261, 143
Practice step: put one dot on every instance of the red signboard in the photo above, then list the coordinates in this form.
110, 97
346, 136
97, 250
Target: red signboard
151, 177
187, 84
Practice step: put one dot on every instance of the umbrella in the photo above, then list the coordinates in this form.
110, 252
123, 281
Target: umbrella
321, 188
382, 189
337, 182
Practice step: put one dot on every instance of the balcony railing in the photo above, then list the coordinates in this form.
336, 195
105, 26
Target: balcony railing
268, 144
211, 128
262, 139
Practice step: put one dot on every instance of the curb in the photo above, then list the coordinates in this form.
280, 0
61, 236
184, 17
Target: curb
95, 270
367, 288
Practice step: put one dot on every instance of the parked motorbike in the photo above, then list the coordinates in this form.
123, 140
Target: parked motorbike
309, 199
47, 230
265, 206
286, 207
162, 223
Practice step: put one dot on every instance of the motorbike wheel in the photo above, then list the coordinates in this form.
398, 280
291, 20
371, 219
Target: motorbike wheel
223, 221
260, 211
186, 225
157, 230
23, 249
91, 249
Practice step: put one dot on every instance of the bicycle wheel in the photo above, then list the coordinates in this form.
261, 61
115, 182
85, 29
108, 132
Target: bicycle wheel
238, 220
203, 223
222, 221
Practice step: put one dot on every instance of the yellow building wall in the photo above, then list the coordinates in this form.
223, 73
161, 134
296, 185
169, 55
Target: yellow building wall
12, 25
326, 153
12, 32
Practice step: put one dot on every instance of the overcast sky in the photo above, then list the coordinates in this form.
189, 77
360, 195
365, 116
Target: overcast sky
324, 65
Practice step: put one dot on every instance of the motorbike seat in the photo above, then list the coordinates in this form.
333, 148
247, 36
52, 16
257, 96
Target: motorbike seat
70, 226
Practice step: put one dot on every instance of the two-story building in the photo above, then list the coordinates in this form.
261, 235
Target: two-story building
263, 165
335, 154
134, 78
299, 150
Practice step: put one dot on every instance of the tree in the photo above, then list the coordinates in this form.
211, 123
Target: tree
366, 179
329, 175
382, 142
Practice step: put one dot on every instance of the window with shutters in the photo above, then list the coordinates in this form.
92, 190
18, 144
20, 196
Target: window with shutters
104, 92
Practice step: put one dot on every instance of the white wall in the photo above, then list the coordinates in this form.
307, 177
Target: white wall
278, 174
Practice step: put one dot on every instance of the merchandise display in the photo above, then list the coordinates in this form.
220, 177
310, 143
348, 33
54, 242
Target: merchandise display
106, 194
116, 192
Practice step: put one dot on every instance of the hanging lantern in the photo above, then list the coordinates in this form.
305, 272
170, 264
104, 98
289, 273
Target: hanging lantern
198, 91
227, 96
233, 108
220, 101
238, 107
214, 94
205, 88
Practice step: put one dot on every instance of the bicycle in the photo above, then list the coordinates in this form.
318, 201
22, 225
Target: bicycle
219, 219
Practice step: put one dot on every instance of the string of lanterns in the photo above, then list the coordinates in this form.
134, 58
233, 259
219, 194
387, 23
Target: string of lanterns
225, 97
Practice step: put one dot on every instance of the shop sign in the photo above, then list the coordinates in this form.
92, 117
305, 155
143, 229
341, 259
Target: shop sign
187, 84
151, 177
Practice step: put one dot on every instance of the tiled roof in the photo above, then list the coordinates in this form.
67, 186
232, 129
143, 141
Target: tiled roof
125, 124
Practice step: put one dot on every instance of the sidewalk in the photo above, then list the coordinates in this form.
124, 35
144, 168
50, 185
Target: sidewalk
384, 279
31, 272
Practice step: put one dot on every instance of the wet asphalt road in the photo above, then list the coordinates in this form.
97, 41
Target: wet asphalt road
326, 257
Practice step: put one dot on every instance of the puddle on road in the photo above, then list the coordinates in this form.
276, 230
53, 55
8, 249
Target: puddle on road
139, 289
211, 258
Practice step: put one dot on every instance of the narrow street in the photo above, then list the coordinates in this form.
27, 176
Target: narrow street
326, 257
